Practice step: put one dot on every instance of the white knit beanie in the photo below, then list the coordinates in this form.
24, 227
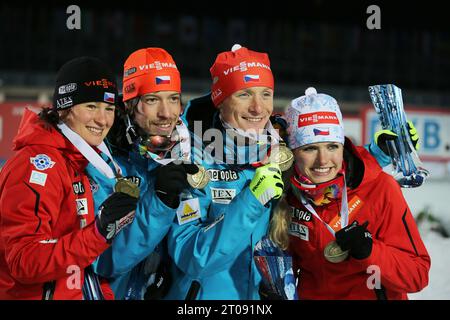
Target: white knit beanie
312, 118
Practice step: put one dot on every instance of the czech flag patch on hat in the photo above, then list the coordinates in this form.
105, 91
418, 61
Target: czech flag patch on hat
109, 97
162, 79
318, 132
251, 78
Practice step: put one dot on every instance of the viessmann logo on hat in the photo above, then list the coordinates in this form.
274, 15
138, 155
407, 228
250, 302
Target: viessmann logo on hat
105, 83
158, 65
244, 66
314, 118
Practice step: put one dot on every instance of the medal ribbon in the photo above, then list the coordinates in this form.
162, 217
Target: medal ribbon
275, 139
91, 289
90, 154
343, 212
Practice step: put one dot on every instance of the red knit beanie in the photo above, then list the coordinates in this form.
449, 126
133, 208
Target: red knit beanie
239, 69
149, 70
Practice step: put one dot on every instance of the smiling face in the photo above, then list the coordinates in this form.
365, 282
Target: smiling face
248, 109
90, 120
319, 162
157, 113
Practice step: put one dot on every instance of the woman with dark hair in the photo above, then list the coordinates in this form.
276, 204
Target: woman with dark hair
49, 234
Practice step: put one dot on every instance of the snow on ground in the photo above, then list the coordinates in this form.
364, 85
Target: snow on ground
434, 196
439, 278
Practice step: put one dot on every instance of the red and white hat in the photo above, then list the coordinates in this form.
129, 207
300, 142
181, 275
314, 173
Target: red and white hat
149, 70
238, 69
312, 118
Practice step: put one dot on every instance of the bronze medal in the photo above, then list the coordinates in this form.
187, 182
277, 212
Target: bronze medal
128, 187
198, 180
283, 157
333, 253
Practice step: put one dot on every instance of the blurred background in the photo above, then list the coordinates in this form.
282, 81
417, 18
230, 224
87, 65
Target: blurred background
325, 44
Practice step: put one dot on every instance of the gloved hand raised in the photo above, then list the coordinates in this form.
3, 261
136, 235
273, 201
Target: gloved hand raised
115, 213
267, 183
355, 238
381, 137
171, 180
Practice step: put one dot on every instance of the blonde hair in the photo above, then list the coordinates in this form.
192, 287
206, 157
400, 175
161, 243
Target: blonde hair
281, 218
279, 224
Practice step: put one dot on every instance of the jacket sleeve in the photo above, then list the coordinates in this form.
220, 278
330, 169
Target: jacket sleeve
137, 240
201, 249
28, 211
382, 158
398, 249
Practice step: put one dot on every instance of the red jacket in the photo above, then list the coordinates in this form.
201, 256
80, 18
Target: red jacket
398, 252
42, 245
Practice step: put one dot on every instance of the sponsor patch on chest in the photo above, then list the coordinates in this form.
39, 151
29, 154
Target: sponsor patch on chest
223, 196
299, 230
223, 175
78, 188
42, 162
38, 177
82, 206
189, 210
301, 215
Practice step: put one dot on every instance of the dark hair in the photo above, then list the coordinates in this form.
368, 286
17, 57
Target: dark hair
116, 138
49, 116
117, 135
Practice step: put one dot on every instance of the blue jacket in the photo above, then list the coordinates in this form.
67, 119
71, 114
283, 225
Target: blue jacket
137, 240
216, 247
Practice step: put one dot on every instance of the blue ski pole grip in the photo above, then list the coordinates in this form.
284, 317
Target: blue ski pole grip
408, 170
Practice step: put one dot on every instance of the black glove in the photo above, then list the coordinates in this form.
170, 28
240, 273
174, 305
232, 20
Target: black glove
115, 213
355, 238
171, 180
160, 287
383, 136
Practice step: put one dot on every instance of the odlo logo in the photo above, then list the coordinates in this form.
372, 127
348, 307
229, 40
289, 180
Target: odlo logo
300, 214
78, 188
